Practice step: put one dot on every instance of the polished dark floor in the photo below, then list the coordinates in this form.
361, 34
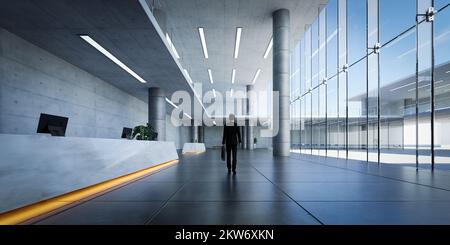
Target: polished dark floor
269, 191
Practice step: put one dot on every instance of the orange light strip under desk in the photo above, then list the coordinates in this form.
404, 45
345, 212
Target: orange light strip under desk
190, 153
34, 210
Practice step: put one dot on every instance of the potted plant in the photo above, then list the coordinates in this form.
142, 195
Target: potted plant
145, 133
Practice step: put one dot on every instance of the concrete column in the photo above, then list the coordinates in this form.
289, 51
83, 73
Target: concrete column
248, 123
157, 111
250, 136
244, 137
201, 134
194, 133
281, 45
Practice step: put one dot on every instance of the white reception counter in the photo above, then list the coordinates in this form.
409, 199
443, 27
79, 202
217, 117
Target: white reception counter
37, 167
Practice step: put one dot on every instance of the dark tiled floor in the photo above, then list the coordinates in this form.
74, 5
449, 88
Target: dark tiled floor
269, 190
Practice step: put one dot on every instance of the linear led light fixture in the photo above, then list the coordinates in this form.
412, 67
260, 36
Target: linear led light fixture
201, 32
172, 46
188, 76
231, 93
171, 103
214, 92
210, 76
105, 52
256, 76
233, 76
238, 42
447, 72
269, 48
187, 115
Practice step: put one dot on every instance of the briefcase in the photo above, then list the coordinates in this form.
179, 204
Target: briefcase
222, 154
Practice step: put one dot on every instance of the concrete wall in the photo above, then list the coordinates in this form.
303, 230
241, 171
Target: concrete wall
179, 135
34, 81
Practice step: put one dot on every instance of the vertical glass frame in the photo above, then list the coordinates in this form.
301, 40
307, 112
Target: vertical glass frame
373, 38
342, 79
442, 85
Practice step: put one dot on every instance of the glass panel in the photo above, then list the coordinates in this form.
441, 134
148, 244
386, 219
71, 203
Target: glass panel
372, 83
356, 30
442, 89
322, 46
332, 65
295, 73
357, 112
302, 68
439, 4
332, 115
342, 90
315, 53
307, 125
307, 57
396, 17
424, 55
314, 118
322, 120
397, 100
303, 126
322, 89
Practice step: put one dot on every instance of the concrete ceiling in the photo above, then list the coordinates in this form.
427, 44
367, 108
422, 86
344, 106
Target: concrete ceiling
220, 19
124, 29
121, 26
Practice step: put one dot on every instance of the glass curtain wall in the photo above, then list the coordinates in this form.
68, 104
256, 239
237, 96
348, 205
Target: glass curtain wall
442, 85
331, 75
375, 83
357, 80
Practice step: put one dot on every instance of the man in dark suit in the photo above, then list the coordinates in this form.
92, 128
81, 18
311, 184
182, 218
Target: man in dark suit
231, 138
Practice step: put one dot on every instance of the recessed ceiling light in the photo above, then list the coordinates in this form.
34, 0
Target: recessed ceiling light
210, 76
238, 42
269, 48
233, 76
214, 92
172, 46
105, 52
171, 103
256, 76
201, 31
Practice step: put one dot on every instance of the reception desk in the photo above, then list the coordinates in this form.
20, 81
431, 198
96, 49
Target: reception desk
38, 167
189, 148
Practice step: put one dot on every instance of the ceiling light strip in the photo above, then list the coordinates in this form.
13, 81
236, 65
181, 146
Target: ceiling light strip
256, 76
269, 48
172, 46
233, 76
238, 42
171, 103
201, 32
211, 80
188, 76
105, 52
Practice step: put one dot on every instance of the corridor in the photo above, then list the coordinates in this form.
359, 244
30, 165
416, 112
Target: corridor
267, 191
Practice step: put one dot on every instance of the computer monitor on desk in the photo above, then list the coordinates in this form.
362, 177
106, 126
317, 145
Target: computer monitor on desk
54, 125
127, 133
